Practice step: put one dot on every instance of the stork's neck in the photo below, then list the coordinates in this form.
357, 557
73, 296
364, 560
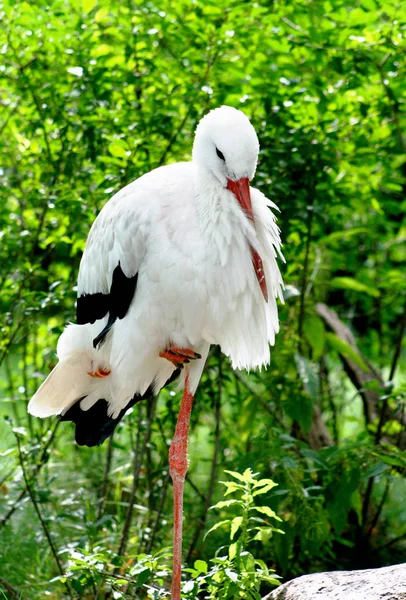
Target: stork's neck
222, 223
208, 197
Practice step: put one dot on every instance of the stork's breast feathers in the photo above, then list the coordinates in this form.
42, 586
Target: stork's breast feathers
245, 320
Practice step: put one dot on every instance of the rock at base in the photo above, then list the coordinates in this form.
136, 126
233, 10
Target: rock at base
388, 583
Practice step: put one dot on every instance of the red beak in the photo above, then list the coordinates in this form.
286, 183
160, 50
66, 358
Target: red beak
241, 190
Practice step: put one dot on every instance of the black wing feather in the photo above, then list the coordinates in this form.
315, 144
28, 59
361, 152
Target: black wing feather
91, 307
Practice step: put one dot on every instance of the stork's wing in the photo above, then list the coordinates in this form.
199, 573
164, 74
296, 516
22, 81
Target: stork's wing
109, 268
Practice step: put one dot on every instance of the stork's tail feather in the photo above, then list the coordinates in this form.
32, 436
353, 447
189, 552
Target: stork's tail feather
94, 425
66, 383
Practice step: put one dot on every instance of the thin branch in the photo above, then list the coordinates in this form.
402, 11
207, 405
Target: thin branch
398, 347
174, 136
380, 508
164, 491
12, 591
103, 491
257, 395
38, 467
395, 540
37, 510
304, 275
395, 359
194, 487
138, 456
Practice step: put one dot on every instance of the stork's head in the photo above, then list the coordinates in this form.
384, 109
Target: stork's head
227, 146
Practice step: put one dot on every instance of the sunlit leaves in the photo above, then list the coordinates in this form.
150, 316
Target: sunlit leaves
346, 350
348, 283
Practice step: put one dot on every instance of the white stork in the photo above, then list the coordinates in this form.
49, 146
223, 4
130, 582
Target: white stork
183, 257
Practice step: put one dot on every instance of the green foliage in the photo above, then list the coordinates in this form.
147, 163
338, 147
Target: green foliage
142, 574
236, 573
94, 94
233, 573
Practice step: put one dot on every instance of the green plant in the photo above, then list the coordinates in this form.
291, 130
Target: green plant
143, 575
236, 573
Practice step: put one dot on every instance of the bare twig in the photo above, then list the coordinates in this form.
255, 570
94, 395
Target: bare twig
37, 469
303, 285
395, 540
104, 487
398, 347
357, 375
159, 512
374, 521
257, 395
138, 456
194, 487
14, 595
37, 510
395, 359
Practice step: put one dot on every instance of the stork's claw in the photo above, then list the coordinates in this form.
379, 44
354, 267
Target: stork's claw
179, 356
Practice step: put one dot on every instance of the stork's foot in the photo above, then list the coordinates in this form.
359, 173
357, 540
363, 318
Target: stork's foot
100, 372
179, 356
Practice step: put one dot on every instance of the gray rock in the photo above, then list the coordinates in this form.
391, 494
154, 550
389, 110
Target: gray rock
388, 583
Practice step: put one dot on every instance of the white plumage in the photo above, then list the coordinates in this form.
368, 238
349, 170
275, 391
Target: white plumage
190, 243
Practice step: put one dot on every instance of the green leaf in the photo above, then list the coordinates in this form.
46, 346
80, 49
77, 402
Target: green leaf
265, 533
308, 375
143, 576
232, 487
300, 410
247, 475
232, 550
266, 486
272, 580
314, 332
225, 503
375, 470
265, 510
236, 475
348, 283
346, 350
393, 461
231, 574
340, 236
88, 5
118, 149
217, 525
235, 525
201, 566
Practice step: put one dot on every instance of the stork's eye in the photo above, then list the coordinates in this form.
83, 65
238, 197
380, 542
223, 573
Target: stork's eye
220, 154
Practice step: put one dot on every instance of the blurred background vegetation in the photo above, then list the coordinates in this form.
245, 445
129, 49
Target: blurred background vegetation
93, 94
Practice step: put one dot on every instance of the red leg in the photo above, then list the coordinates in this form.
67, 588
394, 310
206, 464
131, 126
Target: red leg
178, 465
